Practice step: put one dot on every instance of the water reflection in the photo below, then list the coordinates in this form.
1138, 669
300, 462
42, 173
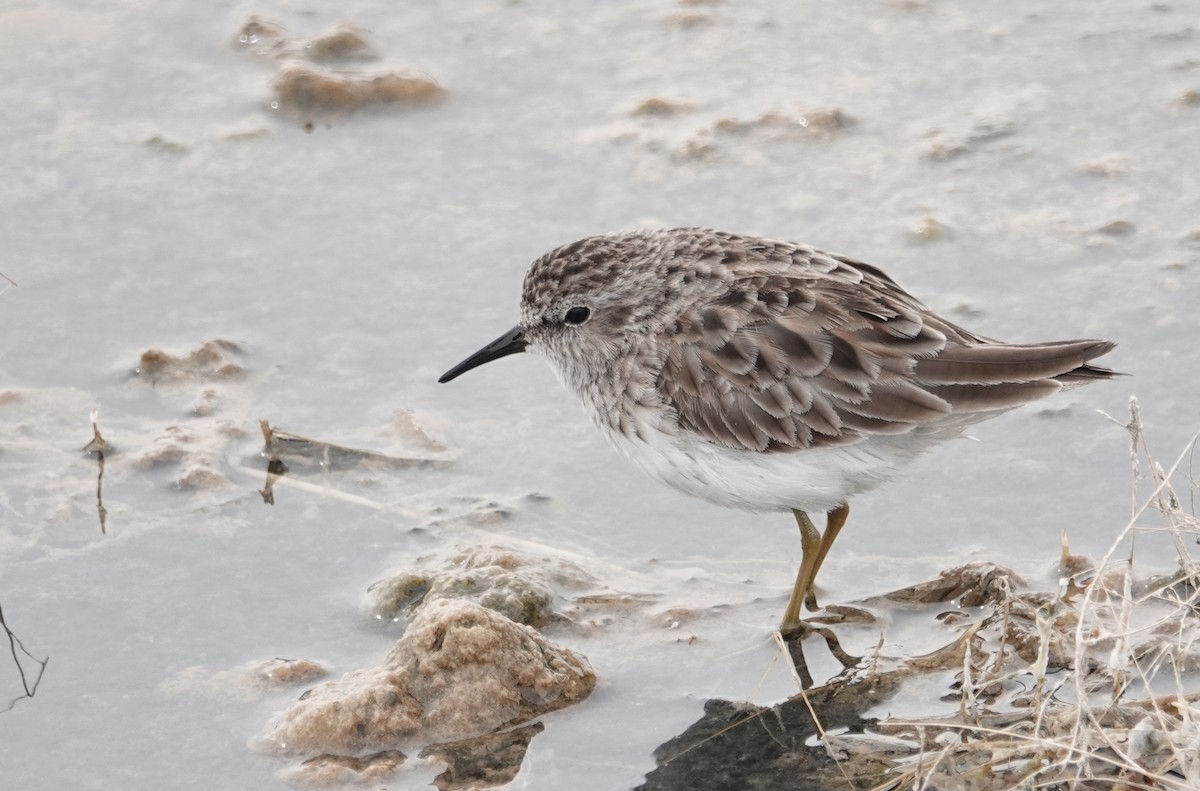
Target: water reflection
99, 445
741, 745
486, 761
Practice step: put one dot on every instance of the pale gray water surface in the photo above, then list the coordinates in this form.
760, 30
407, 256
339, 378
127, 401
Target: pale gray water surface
1029, 169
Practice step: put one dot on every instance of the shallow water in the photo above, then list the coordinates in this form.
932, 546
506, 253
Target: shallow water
1028, 170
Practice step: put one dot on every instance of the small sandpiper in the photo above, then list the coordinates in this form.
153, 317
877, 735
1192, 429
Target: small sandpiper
767, 375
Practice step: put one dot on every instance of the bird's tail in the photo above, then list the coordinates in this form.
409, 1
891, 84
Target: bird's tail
995, 376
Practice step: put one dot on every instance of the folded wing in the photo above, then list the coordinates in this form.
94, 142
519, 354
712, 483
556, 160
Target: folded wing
832, 350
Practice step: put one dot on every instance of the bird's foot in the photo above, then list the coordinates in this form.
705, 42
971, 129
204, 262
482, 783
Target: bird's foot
793, 635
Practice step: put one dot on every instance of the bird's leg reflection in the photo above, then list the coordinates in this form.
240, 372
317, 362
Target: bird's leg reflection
793, 640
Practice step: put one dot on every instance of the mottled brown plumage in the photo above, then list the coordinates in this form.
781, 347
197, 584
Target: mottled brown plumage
764, 374
833, 351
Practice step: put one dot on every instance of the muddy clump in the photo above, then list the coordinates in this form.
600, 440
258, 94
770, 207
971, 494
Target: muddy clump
525, 588
459, 672
213, 361
303, 88
321, 77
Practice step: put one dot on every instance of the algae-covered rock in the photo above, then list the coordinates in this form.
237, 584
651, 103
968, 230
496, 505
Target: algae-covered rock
524, 588
459, 672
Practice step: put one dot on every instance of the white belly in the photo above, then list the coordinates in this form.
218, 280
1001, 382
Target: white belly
815, 480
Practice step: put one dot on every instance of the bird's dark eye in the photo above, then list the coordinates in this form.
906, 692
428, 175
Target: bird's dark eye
577, 315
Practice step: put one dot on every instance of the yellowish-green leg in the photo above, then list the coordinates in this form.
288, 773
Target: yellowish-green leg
810, 543
834, 521
815, 547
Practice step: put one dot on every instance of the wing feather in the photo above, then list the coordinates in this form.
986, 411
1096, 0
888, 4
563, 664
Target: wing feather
823, 350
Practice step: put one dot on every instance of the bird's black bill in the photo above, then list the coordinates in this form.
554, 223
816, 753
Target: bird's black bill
510, 342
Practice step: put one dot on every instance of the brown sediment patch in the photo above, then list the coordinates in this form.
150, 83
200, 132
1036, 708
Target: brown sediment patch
215, 372
461, 671
172, 448
203, 478
303, 88
657, 106
785, 125
1117, 228
343, 41
264, 37
285, 672
772, 127
306, 88
213, 360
